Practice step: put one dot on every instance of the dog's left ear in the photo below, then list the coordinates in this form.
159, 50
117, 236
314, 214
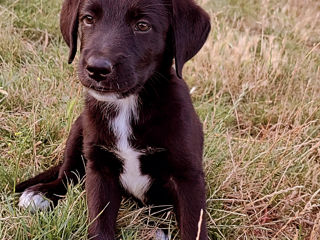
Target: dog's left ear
191, 26
69, 23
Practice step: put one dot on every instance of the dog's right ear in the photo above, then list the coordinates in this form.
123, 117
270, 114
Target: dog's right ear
69, 23
191, 26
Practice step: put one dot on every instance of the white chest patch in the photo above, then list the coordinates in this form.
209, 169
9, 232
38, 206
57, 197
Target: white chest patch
131, 178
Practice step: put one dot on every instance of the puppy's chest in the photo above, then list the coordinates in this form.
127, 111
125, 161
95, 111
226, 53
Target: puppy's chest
131, 177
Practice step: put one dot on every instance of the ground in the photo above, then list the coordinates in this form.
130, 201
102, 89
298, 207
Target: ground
255, 86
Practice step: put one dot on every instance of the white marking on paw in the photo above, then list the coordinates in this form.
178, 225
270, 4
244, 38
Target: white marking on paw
160, 235
33, 201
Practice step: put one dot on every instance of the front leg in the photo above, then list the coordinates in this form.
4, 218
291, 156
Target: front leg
103, 194
52, 183
190, 202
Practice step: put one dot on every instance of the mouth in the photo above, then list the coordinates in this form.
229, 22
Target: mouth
103, 87
102, 96
107, 90
109, 95
100, 90
121, 83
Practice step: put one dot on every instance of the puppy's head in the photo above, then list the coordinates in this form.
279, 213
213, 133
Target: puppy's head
124, 42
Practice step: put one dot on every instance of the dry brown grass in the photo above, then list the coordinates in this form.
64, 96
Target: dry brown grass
259, 96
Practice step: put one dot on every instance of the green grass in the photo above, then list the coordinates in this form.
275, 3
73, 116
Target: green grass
257, 91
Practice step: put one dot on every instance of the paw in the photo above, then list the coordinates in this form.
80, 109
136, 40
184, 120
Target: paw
33, 201
161, 235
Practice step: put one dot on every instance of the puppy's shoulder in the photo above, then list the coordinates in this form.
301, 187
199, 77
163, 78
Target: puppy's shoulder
180, 94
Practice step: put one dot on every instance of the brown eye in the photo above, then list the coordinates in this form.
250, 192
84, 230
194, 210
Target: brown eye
142, 27
88, 20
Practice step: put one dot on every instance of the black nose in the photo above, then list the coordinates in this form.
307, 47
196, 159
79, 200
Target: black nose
98, 67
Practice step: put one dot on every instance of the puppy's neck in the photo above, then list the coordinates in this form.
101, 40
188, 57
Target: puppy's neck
120, 112
127, 111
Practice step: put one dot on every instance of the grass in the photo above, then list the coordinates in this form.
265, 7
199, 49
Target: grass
256, 88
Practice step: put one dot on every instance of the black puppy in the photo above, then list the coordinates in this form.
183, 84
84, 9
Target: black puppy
139, 133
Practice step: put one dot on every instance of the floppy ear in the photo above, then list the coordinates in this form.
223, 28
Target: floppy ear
191, 26
69, 25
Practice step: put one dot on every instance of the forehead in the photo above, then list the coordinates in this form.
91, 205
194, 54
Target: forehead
120, 7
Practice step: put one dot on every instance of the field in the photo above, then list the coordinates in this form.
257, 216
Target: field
256, 88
